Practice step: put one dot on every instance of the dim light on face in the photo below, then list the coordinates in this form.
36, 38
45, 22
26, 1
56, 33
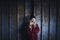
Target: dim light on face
34, 21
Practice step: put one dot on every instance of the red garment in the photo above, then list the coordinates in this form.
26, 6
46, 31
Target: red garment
32, 34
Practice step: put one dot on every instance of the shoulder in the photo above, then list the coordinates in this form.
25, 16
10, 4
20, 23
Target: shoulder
37, 25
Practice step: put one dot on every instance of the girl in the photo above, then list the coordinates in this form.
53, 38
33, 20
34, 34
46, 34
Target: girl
32, 29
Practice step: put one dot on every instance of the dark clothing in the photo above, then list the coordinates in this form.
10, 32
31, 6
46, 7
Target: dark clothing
32, 34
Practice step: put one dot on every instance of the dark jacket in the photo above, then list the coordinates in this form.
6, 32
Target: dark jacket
32, 34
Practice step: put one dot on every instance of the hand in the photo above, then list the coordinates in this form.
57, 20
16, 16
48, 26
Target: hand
30, 26
31, 23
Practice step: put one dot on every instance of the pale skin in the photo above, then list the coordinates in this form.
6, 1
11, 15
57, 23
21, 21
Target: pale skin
32, 22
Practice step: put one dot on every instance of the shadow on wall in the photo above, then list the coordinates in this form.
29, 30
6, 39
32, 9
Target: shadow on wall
23, 28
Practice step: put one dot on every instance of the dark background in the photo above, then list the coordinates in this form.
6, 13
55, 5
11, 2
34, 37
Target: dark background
13, 14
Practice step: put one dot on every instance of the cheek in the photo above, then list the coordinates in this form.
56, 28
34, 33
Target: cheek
34, 20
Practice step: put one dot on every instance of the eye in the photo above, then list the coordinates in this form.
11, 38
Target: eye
32, 21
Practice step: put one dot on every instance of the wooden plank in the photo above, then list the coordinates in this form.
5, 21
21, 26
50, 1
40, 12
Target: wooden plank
49, 21
41, 19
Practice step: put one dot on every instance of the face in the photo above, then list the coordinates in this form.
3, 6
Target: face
33, 20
